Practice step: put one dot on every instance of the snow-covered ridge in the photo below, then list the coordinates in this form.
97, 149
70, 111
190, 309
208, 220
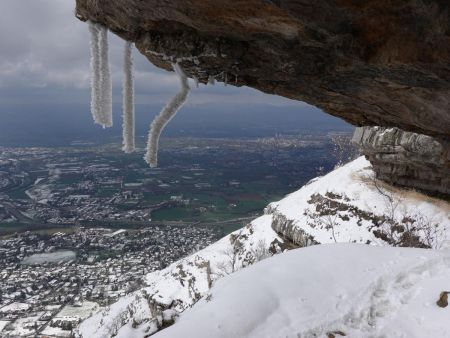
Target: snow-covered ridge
334, 290
347, 205
350, 205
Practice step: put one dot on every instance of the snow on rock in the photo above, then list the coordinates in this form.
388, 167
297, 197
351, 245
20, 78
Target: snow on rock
182, 284
3, 324
131, 309
350, 205
351, 290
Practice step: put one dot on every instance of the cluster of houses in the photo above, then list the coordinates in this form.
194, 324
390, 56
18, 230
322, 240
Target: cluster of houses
45, 276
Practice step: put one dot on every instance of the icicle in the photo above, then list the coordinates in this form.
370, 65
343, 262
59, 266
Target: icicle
101, 87
105, 80
95, 72
164, 117
211, 80
128, 100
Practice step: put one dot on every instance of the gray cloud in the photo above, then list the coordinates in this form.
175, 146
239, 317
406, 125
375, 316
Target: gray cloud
44, 58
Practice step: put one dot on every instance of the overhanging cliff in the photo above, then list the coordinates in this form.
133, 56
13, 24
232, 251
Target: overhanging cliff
375, 62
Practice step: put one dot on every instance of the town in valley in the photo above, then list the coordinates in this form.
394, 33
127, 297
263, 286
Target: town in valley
82, 225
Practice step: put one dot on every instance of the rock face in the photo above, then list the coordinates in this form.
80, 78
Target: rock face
374, 62
407, 159
350, 205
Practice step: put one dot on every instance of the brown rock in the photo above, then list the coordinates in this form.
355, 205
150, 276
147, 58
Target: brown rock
374, 62
443, 299
334, 334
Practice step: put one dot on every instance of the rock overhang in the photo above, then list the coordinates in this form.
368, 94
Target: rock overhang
378, 62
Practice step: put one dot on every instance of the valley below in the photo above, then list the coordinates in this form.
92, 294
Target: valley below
83, 225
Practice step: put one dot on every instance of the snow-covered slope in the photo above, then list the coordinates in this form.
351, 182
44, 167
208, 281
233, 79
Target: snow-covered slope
350, 205
347, 205
180, 285
334, 290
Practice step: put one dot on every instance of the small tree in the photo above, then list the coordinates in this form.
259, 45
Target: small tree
344, 150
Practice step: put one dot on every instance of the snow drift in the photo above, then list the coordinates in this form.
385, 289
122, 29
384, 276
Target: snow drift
357, 291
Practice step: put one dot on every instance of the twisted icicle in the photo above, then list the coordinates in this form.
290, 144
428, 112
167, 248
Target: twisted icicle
101, 86
128, 131
164, 117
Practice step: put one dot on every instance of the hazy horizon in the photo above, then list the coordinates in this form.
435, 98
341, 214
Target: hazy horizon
57, 125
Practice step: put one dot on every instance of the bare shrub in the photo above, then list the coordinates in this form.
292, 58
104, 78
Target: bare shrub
344, 150
404, 228
260, 251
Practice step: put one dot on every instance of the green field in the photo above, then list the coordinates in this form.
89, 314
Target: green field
219, 207
223, 179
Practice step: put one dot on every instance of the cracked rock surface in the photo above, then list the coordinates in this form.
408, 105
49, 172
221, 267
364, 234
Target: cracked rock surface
407, 159
374, 62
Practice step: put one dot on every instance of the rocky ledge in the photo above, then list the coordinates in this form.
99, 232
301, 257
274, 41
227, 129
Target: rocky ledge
407, 159
374, 62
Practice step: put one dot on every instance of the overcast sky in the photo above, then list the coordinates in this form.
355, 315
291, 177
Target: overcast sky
44, 58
